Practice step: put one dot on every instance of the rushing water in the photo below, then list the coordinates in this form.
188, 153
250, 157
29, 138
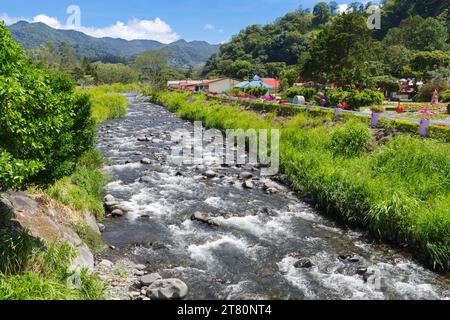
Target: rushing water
253, 252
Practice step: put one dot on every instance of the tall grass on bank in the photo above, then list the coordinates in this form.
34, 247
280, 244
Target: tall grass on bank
83, 189
42, 273
106, 105
399, 191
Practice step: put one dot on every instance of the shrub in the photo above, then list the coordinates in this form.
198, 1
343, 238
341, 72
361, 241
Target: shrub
44, 126
425, 93
308, 93
350, 140
439, 133
256, 91
356, 98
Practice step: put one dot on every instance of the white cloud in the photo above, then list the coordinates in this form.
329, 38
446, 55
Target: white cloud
135, 29
209, 26
50, 21
10, 20
342, 8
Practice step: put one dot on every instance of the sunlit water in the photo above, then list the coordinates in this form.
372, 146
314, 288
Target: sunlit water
252, 254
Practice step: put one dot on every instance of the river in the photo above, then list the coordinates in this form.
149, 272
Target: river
252, 255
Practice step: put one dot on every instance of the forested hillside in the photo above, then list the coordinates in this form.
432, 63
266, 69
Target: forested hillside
182, 54
324, 46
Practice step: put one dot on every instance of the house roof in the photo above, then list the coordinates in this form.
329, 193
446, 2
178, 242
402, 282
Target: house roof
274, 83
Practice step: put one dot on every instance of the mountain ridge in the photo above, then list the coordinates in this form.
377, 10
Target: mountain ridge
182, 54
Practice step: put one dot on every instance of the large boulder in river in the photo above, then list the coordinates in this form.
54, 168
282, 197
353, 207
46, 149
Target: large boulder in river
167, 289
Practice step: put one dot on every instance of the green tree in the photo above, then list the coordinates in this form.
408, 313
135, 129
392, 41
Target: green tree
322, 13
342, 52
44, 127
151, 64
424, 62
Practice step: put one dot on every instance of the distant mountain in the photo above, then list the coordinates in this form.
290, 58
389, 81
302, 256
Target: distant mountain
182, 54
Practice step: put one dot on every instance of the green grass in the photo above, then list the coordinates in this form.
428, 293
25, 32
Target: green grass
399, 191
106, 105
92, 239
83, 189
44, 276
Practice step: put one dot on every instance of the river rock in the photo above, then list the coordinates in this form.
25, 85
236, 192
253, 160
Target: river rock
167, 289
107, 264
109, 198
271, 191
210, 174
248, 185
146, 179
149, 279
143, 138
245, 175
117, 213
141, 267
304, 263
146, 161
101, 227
205, 218
109, 206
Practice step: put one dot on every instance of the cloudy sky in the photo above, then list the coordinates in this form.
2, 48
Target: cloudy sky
214, 21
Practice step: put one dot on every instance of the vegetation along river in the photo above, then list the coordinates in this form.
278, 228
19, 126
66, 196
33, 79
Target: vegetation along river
267, 246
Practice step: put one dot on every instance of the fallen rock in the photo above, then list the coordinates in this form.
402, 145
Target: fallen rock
85, 259
210, 174
106, 263
91, 221
245, 175
304, 263
117, 213
270, 191
149, 279
146, 161
109, 198
167, 289
101, 227
143, 138
109, 206
141, 267
248, 185
205, 218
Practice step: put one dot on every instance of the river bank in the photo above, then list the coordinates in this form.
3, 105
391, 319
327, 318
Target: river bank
265, 246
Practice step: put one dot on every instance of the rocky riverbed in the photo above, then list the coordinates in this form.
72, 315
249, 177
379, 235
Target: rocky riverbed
225, 232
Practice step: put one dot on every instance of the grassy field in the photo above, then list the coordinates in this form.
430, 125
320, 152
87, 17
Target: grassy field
399, 191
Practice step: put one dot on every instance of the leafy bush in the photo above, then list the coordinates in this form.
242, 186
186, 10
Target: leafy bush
445, 96
356, 98
439, 133
256, 91
425, 93
308, 93
350, 140
44, 126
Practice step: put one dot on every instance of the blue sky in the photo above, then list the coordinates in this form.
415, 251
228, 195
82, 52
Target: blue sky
212, 21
